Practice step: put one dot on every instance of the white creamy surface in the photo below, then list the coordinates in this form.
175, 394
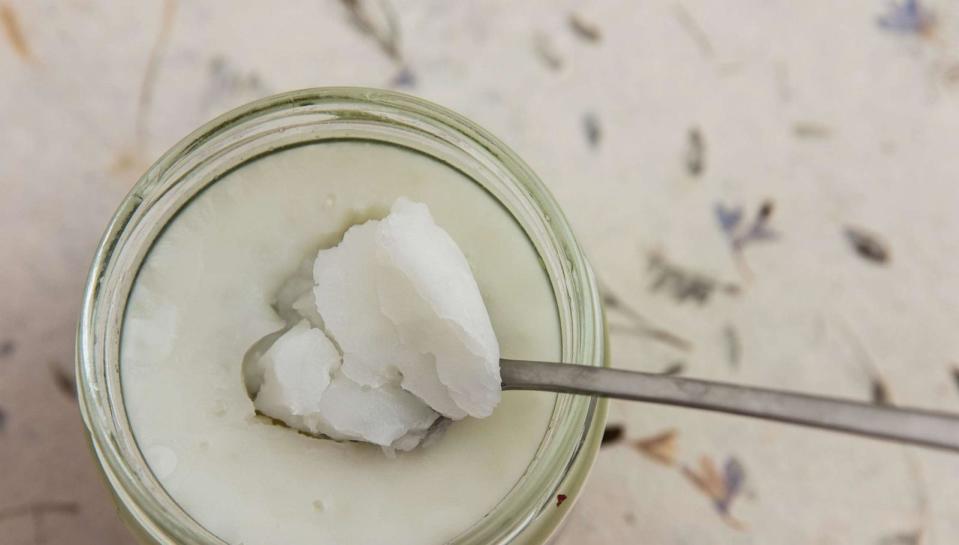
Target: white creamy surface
203, 297
388, 332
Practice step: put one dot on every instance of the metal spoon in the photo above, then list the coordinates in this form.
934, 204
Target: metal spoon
926, 428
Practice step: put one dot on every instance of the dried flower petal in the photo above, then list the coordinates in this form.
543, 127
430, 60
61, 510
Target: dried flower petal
730, 221
734, 476
907, 17
712, 477
404, 78
728, 218
11, 25
707, 479
721, 489
660, 447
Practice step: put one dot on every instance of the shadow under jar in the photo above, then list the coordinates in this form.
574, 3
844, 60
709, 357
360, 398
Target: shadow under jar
183, 283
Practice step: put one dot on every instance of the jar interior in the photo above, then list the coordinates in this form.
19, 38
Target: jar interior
272, 126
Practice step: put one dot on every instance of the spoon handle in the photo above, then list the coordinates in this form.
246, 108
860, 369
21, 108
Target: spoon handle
926, 428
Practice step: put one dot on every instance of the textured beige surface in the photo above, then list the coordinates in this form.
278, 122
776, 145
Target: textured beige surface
836, 119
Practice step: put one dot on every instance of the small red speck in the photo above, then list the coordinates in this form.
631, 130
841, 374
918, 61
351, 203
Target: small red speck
560, 498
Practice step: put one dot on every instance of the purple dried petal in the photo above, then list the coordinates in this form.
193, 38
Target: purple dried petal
907, 17
404, 78
728, 218
734, 476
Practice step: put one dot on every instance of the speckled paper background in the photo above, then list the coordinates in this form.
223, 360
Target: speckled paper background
768, 190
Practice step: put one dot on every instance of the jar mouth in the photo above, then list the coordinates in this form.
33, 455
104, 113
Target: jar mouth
312, 116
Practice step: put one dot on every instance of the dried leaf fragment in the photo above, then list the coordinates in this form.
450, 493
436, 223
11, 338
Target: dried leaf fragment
673, 369
733, 345
39, 508
765, 211
378, 21
546, 52
7, 348
868, 246
586, 30
612, 434
693, 29
681, 283
880, 392
592, 129
63, 380
811, 130
640, 325
913, 537
695, 152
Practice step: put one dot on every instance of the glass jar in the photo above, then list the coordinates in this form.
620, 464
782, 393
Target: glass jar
529, 513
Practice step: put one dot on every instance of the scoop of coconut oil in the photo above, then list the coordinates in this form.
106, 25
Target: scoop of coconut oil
387, 338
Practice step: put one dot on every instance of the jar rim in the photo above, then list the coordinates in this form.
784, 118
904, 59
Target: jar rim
146, 504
